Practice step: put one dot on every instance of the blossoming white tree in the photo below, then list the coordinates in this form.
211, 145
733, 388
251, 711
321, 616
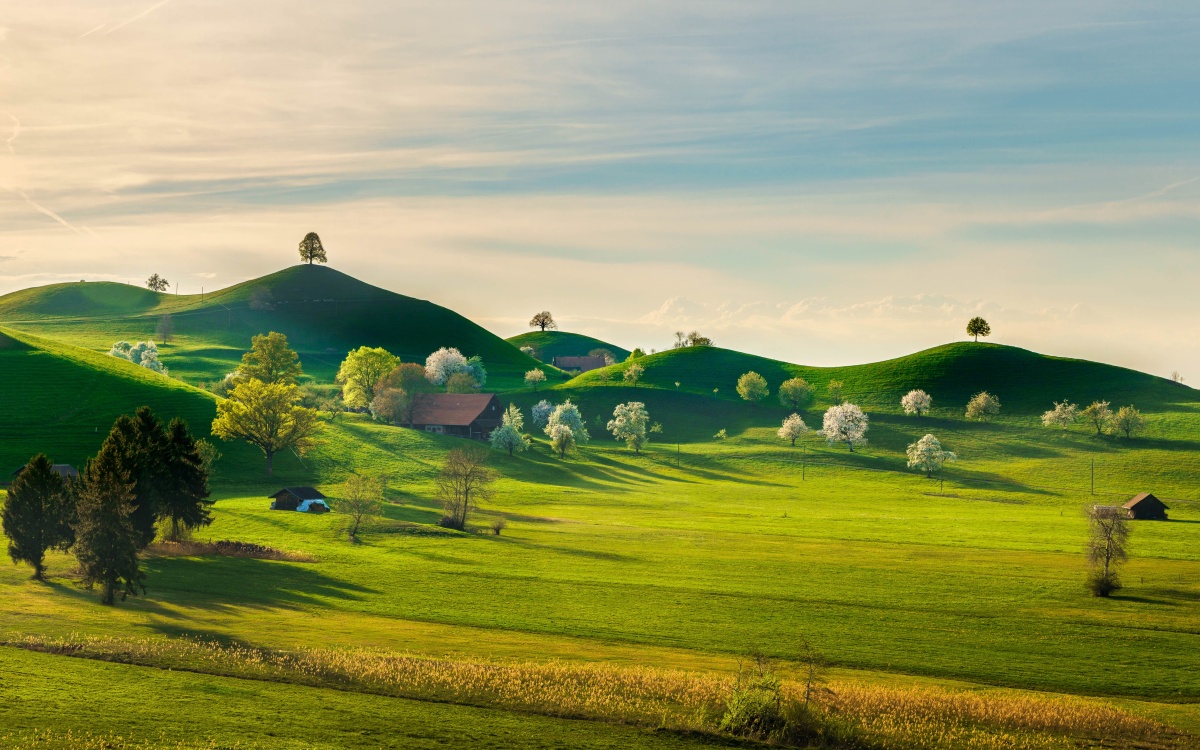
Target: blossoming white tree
144, 353
633, 374
443, 363
983, 405
793, 427
927, 455
508, 436
916, 402
562, 439
541, 413
1099, 415
845, 423
567, 414
534, 378
1063, 415
629, 424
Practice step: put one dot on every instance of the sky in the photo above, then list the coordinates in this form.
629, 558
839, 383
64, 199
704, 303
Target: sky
825, 183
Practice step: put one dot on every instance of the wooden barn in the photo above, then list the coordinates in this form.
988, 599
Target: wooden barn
1146, 507
66, 471
292, 498
469, 415
582, 364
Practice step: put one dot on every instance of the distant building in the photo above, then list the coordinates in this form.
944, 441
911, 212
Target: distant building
1146, 507
582, 364
303, 499
66, 471
469, 415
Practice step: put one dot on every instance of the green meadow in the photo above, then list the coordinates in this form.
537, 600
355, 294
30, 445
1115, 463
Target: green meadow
685, 557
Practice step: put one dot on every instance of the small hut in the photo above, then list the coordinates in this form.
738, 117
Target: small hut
292, 498
66, 471
1146, 507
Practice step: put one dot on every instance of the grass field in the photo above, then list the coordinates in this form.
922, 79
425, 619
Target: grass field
683, 558
550, 344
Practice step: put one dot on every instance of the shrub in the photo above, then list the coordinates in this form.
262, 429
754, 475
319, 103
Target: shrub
499, 525
1102, 583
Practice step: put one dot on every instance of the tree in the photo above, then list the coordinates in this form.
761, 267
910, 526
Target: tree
157, 283
410, 386
443, 363
508, 436
36, 515
637, 353
360, 497
629, 423
633, 373
465, 481
183, 499
1128, 421
684, 340
387, 406
209, 455
795, 393
543, 320
143, 353
845, 423
267, 415
311, 249
835, 390
567, 414
1099, 415
916, 402
609, 357
927, 455
1063, 415
106, 541
361, 370
529, 351
270, 360
793, 427
1106, 548
534, 378
752, 387
461, 382
562, 438
140, 446
978, 327
541, 413
983, 405
1177, 377
165, 329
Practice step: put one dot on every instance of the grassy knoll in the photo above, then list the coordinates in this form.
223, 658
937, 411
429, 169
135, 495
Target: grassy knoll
550, 344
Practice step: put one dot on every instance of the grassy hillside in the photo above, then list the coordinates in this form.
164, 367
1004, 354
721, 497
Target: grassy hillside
324, 313
550, 344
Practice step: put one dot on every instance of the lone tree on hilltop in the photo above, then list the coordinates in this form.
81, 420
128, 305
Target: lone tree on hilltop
311, 249
977, 327
36, 515
543, 320
270, 360
268, 415
157, 283
1106, 548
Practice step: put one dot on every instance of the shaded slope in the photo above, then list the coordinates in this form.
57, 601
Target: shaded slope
550, 344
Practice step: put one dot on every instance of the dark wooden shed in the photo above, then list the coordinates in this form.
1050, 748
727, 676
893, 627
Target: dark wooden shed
66, 471
289, 498
1146, 507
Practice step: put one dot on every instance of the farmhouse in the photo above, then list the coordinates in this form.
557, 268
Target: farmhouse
469, 415
582, 364
303, 499
1146, 507
66, 471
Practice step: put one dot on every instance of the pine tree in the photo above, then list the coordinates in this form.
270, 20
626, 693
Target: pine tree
184, 500
106, 540
36, 514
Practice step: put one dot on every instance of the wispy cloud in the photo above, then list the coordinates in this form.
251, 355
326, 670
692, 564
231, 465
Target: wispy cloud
136, 17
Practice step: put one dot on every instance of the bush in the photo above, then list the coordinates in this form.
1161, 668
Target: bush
754, 709
499, 525
1103, 584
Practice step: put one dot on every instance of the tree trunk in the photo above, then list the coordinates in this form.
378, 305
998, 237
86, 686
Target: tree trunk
110, 593
270, 460
39, 571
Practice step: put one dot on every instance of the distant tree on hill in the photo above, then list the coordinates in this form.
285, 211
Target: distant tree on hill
183, 498
978, 327
1099, 415
443, 363
311, 249
360, 497
835, 390
157, 283
36, 515
927, 455
752, 387
983, 405
464, 482
629, 423
267, 415
534, 378
361, 371
543, 320
694, 338
792, 428
1106, 548
106, 540
529, 351
508, 436
1063, 415
845, 423
270, 360
1177, 377
916, 402
143, 353
637, 353
633, 373
795, 393
165, 329
1128, 421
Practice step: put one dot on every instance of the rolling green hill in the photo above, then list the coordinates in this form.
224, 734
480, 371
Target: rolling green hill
550, 344
324, 313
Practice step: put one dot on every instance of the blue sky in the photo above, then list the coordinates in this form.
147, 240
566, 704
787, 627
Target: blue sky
821, 182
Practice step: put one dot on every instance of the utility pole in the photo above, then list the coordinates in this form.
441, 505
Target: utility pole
1093, 476
803, 461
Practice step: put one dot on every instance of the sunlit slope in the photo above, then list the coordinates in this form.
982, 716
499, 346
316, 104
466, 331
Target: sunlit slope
324, 313
550, 344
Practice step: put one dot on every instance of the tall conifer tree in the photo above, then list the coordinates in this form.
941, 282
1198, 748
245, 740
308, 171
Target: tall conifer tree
36, 514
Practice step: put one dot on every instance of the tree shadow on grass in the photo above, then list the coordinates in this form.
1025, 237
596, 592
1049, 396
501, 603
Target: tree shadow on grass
238, 581
572, 551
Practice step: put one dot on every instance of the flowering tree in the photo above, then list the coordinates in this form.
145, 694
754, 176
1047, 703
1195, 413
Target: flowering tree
983, 405
508, 436
633, 374
527, 350
562, 439
541, 413
443, 363
836, 391
795, 392
568, 414
629, 424
1099, 415
1062, 415
916, 402
793, 427
845, 423
534, 378
144, 353
927, 455
1128, 421
752, 387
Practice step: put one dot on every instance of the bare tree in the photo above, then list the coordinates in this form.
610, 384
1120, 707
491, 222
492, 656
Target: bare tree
1106, 547
165, 329
1177, 377
543, 320
361, 497
464, 481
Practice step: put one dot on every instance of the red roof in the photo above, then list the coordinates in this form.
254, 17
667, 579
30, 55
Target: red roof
457, 409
